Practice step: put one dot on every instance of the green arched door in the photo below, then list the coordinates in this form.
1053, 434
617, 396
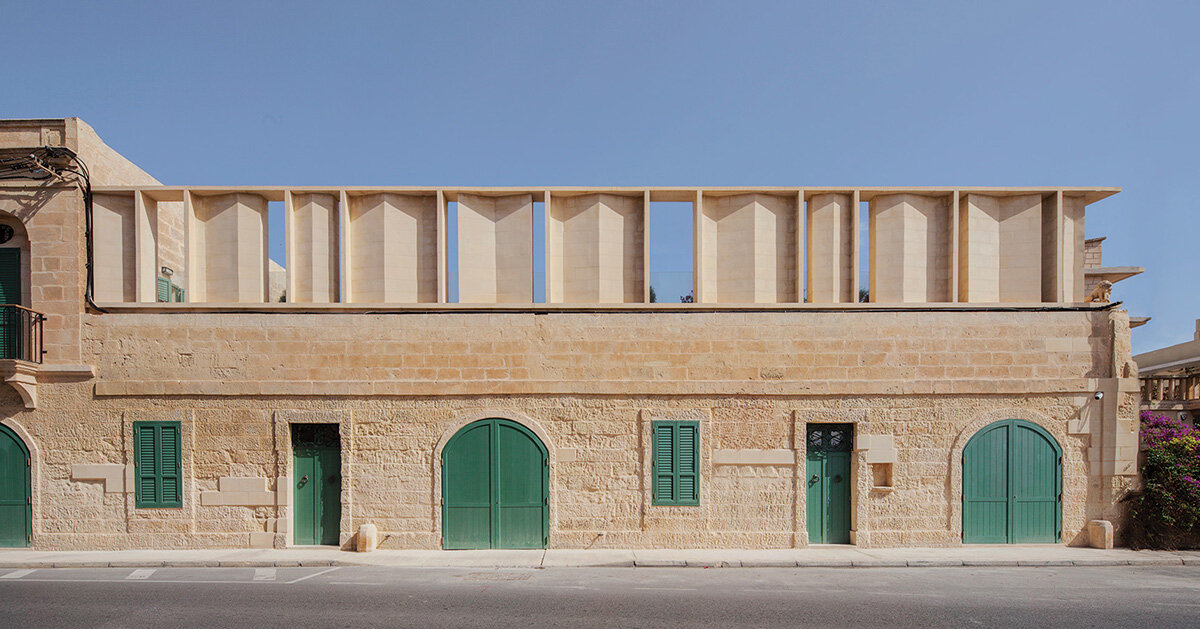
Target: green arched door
1012, 485
16, 510
495, 487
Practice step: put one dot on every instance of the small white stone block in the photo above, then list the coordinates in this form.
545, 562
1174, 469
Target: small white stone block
566, 455
1100, 534
878, 448
242, 483
211, 499
262, 539
368, 538
112, 474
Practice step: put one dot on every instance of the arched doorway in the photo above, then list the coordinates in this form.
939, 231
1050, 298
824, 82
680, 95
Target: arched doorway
495, 487
1012, 485
16, 510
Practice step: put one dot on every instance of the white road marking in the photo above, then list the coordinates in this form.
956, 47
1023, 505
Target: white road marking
156, 581
141, 574
315, 574
670, 589
264, 574
16, 574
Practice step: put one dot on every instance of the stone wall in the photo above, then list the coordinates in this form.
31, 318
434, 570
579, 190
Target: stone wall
589, 388
655, 351
599, 462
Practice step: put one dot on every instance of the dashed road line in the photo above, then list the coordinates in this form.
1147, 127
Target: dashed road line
16, 574
315, 574
141, 574
264, 574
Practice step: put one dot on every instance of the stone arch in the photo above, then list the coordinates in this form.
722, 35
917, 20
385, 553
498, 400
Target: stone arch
465, 419
1072, 514
19, 241
35, 467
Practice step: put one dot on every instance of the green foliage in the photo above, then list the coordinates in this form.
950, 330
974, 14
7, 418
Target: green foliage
1165, 513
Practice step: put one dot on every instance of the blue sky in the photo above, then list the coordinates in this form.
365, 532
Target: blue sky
652, 93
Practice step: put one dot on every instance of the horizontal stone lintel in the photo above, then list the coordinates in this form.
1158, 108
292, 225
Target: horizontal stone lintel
753, 457
358, 388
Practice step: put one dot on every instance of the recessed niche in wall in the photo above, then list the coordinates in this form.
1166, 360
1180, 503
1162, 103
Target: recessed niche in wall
312, 261
829, 247
881, 476
910, 245
495, 248
1000, 248
393, 248
595, 248
750, 244
113, 247
227, 242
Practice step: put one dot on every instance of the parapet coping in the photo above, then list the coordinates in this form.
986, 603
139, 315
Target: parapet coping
1090, 194
671, 307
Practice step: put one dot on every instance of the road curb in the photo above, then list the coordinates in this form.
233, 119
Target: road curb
637, 563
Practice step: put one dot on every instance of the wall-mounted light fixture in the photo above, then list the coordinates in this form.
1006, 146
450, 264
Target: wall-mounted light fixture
167, 271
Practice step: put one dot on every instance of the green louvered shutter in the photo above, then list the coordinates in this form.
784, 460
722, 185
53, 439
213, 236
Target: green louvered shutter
169, 466
664, 463
676, 463
687, 465
157, 459
10, 293
163, 289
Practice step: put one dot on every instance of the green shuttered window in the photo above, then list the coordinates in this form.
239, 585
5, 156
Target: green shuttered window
676, 463
156, 455
167, 292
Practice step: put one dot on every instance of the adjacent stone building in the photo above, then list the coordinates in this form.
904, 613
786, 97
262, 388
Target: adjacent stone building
976, 397
1170, 379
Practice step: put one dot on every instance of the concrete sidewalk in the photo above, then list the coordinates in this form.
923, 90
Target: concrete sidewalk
813, 556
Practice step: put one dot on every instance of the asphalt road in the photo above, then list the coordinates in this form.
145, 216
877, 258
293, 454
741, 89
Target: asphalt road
601, 597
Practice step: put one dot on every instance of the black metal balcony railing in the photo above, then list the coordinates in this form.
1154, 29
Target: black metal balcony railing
21, 333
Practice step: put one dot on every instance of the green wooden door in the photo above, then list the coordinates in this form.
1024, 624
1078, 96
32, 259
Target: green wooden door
828, 474
317, 486
1012, 485
495, 487
16, 510
10, 293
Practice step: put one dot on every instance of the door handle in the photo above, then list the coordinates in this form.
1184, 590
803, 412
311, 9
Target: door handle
814, 480
304, 480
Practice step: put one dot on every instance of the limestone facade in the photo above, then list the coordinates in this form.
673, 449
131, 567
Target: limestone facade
960, 333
